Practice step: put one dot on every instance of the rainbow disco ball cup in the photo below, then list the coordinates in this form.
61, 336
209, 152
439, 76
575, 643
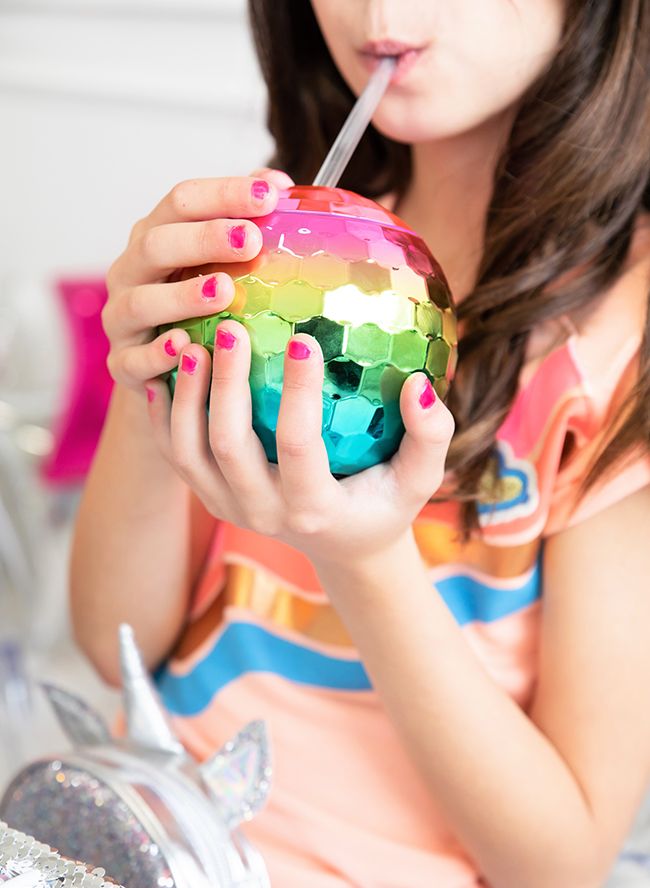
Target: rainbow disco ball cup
355, 277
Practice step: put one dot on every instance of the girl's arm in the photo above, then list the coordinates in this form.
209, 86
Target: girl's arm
543, 801
140, 538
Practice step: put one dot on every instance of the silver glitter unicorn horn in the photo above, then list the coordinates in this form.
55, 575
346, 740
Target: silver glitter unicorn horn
147, 723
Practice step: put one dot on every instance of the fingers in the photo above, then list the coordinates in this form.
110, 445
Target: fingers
188, 425
165, 248
136, 364
306, 480
200, 199
279, 178
159, 407
137, 309
198, 223
237, 449
179, 428
418, 466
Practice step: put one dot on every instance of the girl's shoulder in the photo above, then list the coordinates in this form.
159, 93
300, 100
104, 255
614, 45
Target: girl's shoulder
597, 331
579, 370
607, 333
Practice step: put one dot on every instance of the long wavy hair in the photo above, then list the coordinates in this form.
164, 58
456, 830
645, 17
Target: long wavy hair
567, 192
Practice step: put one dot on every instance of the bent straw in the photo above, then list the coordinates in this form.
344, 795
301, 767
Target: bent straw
354, 127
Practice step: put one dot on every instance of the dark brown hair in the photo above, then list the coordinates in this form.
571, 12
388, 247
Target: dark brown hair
567, 193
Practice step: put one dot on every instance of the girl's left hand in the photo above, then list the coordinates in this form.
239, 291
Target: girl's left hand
297, 501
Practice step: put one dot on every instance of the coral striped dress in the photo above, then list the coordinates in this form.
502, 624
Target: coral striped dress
347, 807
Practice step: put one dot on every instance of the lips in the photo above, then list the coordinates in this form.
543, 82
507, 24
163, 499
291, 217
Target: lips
387, 47
374, 51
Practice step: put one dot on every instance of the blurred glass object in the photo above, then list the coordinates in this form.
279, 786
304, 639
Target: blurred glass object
54, 393
15, 701
27, 394
632, 868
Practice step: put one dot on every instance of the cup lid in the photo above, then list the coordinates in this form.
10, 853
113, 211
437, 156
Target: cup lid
338, 202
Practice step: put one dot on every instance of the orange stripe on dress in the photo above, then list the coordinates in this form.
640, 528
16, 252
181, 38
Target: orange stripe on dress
439, 544
258, 592
251, 586
235, 545
287, 563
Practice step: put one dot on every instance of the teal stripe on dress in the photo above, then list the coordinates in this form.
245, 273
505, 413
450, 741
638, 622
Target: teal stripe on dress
472, 601
244, 648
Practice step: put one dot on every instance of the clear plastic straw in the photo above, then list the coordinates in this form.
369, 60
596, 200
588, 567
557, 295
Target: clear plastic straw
354, 127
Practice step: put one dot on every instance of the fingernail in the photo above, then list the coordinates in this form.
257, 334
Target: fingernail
209, 288
237, 237
427, 395
150, 394
188, 364
169, 348
259, 189
298, 350
225, 339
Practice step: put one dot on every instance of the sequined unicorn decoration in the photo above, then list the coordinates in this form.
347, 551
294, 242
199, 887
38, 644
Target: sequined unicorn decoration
26, 863
141, 807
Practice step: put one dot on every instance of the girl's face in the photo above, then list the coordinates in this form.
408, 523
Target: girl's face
471, 59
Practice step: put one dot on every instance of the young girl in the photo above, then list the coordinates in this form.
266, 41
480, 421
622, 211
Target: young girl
451, 649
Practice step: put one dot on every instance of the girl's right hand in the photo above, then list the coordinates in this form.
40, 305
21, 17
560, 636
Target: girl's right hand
200, 221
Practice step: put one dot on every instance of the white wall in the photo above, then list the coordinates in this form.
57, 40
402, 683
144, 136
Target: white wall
104, 105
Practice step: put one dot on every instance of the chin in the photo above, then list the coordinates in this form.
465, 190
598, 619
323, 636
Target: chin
407, 127
414, 122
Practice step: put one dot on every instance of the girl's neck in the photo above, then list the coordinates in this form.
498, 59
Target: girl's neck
448, 197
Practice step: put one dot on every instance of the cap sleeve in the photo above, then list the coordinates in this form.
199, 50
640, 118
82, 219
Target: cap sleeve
586, 435
606, 352
576, 376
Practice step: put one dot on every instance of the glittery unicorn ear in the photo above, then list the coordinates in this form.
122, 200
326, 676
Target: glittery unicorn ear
81, 724
146, 720
238, 776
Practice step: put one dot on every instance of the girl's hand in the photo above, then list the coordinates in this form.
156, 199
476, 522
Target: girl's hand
198, 222
297, 501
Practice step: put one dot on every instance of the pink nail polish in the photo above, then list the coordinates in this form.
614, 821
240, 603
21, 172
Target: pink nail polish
225, 339
169, 348
150, 394
260, 189
209, 288
188, 364
427, 396
237, 237
298, 350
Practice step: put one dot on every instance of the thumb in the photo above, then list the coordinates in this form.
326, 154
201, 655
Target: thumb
277, 177
419, 464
